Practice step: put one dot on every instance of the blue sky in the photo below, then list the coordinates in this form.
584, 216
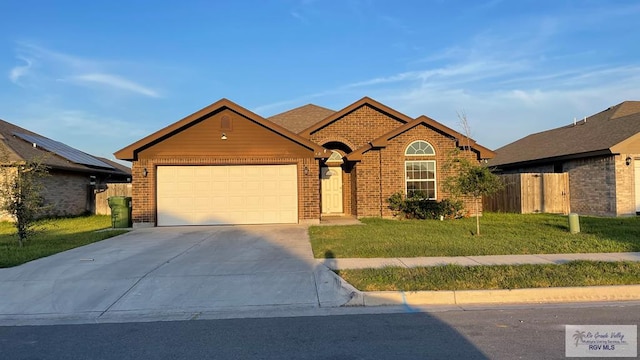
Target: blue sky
99, 75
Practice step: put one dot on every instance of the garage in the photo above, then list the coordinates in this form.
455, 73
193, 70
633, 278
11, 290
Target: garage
234, 194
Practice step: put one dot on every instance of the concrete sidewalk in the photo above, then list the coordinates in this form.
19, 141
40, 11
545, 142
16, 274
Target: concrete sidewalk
409, 262
467, 297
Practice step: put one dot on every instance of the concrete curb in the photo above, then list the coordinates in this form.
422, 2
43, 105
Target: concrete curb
516, 296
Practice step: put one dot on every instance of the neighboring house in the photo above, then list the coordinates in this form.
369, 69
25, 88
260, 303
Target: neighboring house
74, 175
227, 165
601, 153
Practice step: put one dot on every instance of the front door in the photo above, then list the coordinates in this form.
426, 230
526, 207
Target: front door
331, 190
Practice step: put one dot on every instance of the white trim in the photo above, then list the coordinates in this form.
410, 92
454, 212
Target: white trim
419, 148
434, 180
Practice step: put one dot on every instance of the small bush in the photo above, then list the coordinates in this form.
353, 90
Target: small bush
417, 206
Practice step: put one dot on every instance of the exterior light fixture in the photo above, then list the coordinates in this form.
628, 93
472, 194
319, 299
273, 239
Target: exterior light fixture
224, 136
145, 172
628, 160
306, 170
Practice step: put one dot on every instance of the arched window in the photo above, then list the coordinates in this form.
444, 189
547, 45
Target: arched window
335, 157
420, 175
419, 148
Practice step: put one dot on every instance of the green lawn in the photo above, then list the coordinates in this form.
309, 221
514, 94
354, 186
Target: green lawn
53, 236
455, 277
501, 234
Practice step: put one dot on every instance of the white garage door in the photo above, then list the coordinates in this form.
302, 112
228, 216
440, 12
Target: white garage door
216, 195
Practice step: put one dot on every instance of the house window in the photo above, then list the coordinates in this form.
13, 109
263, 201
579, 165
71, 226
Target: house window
335, 157
421, 177
419, 148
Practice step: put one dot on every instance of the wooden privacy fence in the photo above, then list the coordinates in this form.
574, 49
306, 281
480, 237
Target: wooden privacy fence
113, 189
531, 193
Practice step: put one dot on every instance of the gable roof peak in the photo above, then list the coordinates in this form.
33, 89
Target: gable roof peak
130, 152
625, 108
461, 140
400, 117
602, 133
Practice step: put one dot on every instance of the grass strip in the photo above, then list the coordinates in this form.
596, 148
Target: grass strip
502, 234
456, 277
53, 236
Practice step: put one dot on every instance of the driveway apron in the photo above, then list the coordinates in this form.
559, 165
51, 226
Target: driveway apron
175, 269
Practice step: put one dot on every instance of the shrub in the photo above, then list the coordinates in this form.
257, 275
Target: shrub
417, 206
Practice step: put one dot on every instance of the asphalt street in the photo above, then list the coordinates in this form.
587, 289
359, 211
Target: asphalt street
476, 333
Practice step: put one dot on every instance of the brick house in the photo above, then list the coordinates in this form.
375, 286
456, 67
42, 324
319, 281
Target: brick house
227, 165
601, 153
74, 176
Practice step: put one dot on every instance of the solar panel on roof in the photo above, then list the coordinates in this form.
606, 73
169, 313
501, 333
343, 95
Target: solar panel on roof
67, 152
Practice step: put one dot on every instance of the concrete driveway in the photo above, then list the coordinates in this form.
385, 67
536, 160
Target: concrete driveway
174, 270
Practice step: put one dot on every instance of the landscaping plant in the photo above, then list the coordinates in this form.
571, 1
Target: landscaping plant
416, 205
20, 193
469, 177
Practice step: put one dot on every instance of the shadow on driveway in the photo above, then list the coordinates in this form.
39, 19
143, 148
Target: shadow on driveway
181, 273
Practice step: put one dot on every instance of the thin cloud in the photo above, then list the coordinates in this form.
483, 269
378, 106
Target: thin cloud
78, 128
20, 71
519, 99
396, 24
115, 82
297, 15
77, 70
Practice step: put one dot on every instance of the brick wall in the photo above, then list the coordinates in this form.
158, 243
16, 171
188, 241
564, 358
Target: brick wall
67, 193
309, 190
393, 163
592, 185
625, 185
144, 196
357, 128
368, 185
381, 171
600, 186
354, 191
347, 198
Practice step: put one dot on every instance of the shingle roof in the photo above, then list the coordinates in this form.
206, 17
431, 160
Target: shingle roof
302, 117
131, 152
481, 151
20, 150
123, 168
596, 134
